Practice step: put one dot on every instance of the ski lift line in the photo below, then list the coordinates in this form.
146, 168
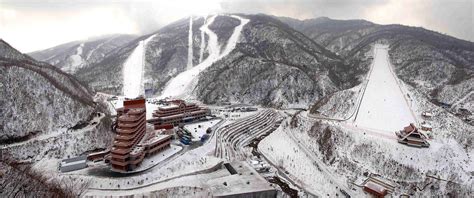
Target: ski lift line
463, 98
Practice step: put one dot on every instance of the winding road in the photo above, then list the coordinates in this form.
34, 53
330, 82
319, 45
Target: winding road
232, 138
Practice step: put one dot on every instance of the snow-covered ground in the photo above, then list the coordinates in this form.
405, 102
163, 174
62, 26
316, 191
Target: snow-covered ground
280, 148
188, 163
183, 84
198, 129
349, 152
383, 106
461, 100
133, 71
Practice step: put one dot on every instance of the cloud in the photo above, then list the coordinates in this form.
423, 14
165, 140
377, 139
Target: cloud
37, 24
37, 29
450, 17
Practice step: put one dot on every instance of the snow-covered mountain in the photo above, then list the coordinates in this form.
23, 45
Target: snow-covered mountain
439, 66
297, 62
38, 99
423, 67
275, 65
74, 55
165, 56
48, 115
287, 67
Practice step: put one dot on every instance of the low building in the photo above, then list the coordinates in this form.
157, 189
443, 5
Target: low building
242, 181
412, 137
249, 109
72, 164
375, 189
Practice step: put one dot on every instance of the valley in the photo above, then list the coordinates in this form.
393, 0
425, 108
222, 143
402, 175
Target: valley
241, 105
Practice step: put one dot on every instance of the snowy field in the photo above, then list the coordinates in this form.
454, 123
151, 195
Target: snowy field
188, 163
280, 148
384, 106
198, 129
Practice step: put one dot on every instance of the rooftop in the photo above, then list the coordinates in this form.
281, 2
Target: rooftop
247, 180
157, 138
171, 106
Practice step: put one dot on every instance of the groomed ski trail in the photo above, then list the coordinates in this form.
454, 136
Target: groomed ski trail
133, 71
183, 84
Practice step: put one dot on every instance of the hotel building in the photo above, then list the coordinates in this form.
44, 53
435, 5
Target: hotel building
133, 143
178, 111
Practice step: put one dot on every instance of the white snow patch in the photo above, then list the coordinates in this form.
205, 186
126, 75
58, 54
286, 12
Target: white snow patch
75, 60
383, 106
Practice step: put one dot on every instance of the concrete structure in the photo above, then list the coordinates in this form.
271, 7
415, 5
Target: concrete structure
72, 164
176, 112
242, 181
132, 142
97, 156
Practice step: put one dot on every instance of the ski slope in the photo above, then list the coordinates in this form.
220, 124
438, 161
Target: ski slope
76, 60
190, 44
383, 106
183, 84
133, 71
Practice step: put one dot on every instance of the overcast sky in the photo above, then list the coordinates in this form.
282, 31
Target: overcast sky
30, 25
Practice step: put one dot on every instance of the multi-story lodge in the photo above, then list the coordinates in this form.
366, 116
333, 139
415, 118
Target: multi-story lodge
178, 111
132, 143
412, 137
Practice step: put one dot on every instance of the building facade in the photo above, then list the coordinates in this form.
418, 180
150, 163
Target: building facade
133, 143
178, 111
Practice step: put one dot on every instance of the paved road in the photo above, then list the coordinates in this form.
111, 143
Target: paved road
233, 137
